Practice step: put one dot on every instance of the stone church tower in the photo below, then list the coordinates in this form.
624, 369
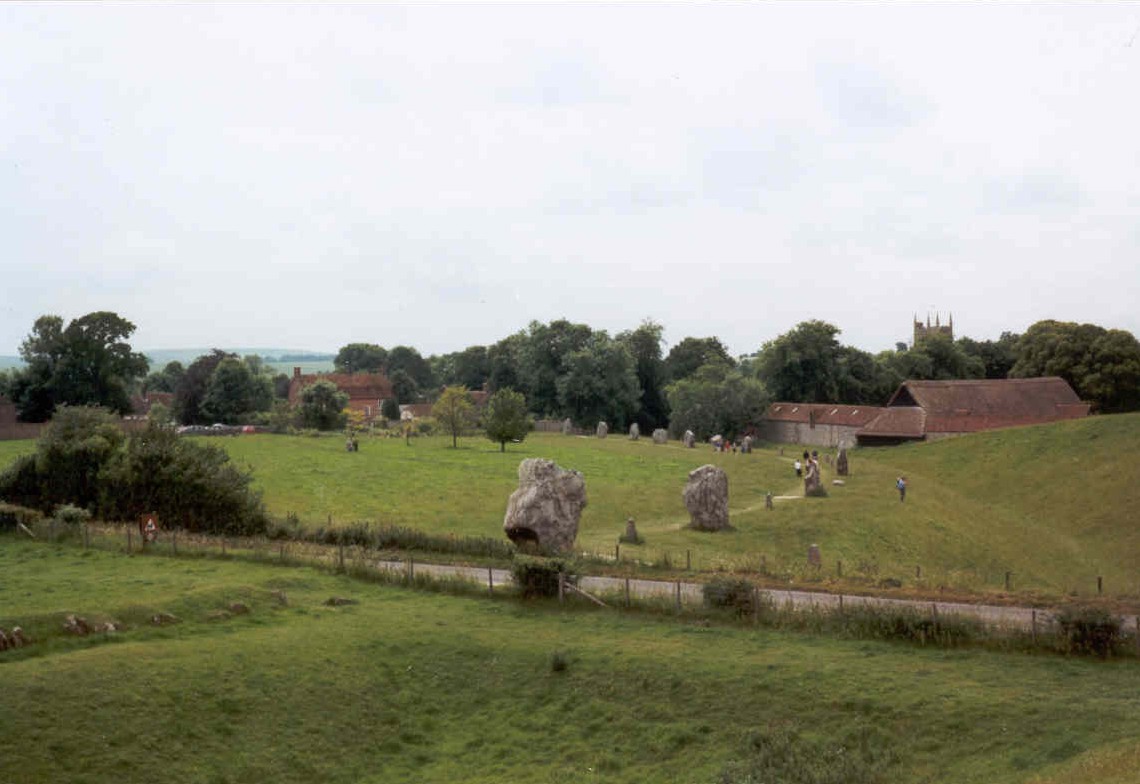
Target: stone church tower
921, 332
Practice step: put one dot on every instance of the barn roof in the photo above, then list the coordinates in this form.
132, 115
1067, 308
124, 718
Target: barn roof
358, 386
822, 413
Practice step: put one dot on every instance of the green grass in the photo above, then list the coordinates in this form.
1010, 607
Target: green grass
1052, 505
429, 688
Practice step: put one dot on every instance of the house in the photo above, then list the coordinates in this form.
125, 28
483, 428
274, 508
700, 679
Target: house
819, 424
141, 404
929, 410
366, 391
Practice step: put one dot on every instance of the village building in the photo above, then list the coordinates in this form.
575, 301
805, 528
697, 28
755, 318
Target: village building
930, 410
817, 424
366, 391
141, 404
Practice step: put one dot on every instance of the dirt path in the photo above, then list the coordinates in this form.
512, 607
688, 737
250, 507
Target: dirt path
1015, 618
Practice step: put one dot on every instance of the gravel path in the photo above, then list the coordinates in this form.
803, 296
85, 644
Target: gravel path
1014, 618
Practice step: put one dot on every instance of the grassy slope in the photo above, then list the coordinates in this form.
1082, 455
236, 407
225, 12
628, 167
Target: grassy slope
1054, 504
415, 687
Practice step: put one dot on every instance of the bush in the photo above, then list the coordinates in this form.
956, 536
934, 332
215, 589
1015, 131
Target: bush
536, 577
71, 515
731, 593
1089, 630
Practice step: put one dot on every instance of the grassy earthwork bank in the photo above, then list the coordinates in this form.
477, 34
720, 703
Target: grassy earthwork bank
407, 686
1051, 505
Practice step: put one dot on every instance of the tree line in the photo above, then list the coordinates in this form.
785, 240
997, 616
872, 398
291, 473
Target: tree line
569, 370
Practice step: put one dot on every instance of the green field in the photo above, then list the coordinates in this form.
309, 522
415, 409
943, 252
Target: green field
418, 687
1053, 505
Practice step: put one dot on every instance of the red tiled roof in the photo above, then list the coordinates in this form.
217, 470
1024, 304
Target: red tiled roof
358, 386
822, 413
897, 422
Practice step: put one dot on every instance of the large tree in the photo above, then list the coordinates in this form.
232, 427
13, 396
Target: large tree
545, 354
361, 358
235, 391
167, 379
715, 400
505, 418
321, 406
997, 356
600, 383
691, 354
89, 362
191, 389
454, 411
1102, 365
644, 343
802, 365
409, 360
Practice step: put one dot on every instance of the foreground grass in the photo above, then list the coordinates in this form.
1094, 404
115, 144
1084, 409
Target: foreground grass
414, 687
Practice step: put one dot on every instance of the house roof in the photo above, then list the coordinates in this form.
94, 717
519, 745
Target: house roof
974, 405
822, 413
358, 386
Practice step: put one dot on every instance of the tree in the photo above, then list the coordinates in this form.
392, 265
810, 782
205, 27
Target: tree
644, 343
997, 356
403, 386
88, 363
716, 399
409, 360
454, 411
691, 354
600, 384
361, 358
165, 380
802, 366
234, 391
544, 358
505, 418
1102, 365
191, 390
321, 405
471, 367
504, 361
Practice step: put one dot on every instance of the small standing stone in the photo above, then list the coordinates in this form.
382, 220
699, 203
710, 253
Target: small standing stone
689, 440
567, 426
746, 445
630, 536
814, 557
768, 503
660, 436
634, 432
841, 462
603, 430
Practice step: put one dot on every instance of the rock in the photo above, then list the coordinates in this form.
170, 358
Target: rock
630, 536
660, 436
239, 608
16, 638
163, 619
746, 445
813, 485
838, 482
544, 511
340, 601
603, 430
634, 432
73, 624
841, 462
689, 440
815, 558
706, 497
567, 426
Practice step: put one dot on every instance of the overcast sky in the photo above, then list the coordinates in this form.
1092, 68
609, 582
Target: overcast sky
440, 175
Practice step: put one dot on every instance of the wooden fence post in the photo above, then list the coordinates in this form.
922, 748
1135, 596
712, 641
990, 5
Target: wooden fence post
678, 592
688, 561
617, 553
282, 552
1099, 584
561, 588
174, 540
841, 604
918, 572
1033, 626
490, 582
128, 538
839, 568
627, 599
763, 564
1007, 580
340, 553
86, 537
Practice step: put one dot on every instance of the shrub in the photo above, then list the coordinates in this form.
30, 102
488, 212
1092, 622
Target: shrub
539, 576
1089, 630
71, 515
731, 593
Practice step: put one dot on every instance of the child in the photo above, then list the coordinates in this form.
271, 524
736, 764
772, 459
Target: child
901, 485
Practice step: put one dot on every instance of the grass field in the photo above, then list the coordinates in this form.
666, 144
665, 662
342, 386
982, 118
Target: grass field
1053, 505
417, 687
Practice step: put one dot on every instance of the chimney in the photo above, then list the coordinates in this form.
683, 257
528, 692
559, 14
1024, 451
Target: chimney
296, 372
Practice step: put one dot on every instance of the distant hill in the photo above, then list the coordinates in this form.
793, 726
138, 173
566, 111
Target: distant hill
10, 362
283, 359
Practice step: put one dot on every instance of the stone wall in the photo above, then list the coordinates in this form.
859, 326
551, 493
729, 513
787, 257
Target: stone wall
775, 431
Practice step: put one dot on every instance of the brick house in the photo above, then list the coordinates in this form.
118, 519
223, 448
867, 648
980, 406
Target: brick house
366, 391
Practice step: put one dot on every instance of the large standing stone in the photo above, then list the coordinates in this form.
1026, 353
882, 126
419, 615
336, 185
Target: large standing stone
634, 432
813, 483
544, 511
706, 497
689, 440
746, 445
567, 426
841, 462
660, 436
603, 430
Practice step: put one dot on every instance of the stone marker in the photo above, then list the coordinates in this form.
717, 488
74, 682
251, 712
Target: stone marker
768, 503
544, 511
689, 440
634, 432
706, 497
841, 462
567, 426
813, 486
814, 557
630, 536
746, 445
603, 430
660, 436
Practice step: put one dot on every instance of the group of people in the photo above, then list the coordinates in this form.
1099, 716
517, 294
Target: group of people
810, 459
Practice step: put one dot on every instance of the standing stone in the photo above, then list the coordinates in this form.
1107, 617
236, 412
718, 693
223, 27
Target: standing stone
706, 497
768, 503
16, 638
814, 557
544, 511
689, 440
634, 432
630, 536
746, 445
660, 436
813, 484
603, 430
567, 426
841, 462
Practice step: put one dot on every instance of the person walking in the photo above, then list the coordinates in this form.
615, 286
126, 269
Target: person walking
901, 485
